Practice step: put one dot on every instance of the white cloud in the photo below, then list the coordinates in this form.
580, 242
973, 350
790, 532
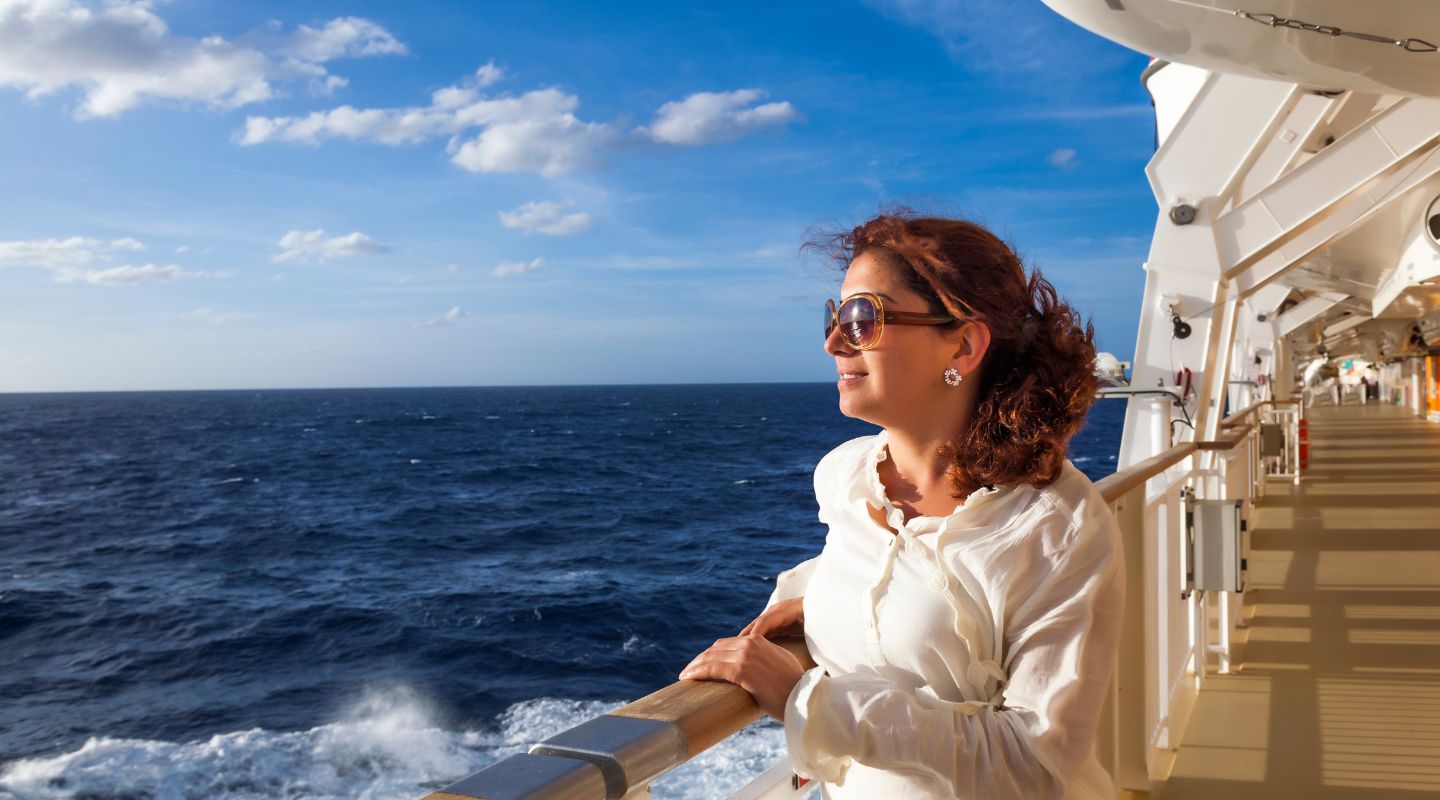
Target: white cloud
537, 131
518, 267
58, 253
121, 54
547, 218
549, 144
706, 117
1063, 158
182, 249
345, 37
447, 318
488, 74
125, 275
313, 246
82, 259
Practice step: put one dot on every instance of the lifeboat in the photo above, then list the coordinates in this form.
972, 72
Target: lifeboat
1379, 48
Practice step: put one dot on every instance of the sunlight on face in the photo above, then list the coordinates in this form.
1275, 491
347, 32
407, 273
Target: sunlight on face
903, 374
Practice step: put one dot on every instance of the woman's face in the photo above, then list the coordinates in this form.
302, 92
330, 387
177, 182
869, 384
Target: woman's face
901, 380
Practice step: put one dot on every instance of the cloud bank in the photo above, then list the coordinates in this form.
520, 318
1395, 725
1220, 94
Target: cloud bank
538, 131
81, 259
121, 55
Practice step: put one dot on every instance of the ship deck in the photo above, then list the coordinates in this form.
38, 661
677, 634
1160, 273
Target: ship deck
1338, 690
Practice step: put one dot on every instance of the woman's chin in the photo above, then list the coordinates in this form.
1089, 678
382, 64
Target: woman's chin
855, 406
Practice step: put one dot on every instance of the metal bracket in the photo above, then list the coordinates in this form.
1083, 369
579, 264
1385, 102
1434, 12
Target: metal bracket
628, 751
528, 777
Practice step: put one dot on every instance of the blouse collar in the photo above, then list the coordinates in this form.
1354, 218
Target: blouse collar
869, 488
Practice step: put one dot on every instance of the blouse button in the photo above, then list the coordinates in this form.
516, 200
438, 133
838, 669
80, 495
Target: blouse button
967, 626
936, 581
914, 549
976, 675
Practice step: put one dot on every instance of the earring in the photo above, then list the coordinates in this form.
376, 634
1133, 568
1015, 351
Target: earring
953, 376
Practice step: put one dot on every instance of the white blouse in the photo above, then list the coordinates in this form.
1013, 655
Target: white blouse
968, 656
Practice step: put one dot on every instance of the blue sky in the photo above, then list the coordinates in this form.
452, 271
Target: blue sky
253, 195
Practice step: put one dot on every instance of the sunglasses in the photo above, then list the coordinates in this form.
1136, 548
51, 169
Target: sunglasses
862, 319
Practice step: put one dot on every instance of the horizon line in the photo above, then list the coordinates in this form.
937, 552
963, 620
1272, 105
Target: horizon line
17, 393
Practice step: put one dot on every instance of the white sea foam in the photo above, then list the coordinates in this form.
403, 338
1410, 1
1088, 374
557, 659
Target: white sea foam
388, 745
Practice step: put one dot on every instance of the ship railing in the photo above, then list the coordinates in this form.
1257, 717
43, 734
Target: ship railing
1172, 635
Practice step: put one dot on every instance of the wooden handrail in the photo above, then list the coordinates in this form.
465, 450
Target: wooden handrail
1239, 416
1228, 440
708, 712
1113, 487
602, 763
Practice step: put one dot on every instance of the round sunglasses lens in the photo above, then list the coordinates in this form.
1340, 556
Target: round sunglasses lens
829, 317
857, 321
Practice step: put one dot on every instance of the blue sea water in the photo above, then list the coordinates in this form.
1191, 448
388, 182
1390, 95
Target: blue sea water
371, 593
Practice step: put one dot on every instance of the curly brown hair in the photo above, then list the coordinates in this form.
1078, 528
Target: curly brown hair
1037, 379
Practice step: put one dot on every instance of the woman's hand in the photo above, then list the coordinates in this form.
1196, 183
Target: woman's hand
785, 618
759, 666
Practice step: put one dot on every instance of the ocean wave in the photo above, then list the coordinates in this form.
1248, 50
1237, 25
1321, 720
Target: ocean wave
388, 745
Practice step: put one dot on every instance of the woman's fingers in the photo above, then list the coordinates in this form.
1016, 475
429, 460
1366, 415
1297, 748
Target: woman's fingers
710, 664
764, 669
784, 618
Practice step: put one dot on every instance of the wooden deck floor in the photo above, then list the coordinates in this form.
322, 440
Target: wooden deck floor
1339, 692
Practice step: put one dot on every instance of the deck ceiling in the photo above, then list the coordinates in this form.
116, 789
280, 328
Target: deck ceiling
1358, 262
1356, 265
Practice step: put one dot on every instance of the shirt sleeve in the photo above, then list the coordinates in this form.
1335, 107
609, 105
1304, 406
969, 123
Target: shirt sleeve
792, 582
1063, 647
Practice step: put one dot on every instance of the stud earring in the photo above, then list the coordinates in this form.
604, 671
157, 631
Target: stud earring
953, 376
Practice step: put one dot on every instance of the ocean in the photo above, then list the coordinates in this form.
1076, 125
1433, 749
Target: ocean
371, 593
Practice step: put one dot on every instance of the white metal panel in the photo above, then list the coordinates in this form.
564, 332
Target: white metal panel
1305, 311
1339, 220
1212, 144
1299, 127
1376, 149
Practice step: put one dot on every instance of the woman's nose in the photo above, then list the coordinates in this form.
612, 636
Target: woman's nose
835, 343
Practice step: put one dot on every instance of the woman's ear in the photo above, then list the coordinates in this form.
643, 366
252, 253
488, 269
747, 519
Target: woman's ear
972, 342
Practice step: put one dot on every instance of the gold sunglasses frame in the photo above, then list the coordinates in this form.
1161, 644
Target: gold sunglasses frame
881, 318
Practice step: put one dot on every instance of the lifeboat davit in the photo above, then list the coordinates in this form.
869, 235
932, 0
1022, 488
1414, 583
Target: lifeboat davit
1387, 47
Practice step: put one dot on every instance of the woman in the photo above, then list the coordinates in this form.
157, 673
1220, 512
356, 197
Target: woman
965, 609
